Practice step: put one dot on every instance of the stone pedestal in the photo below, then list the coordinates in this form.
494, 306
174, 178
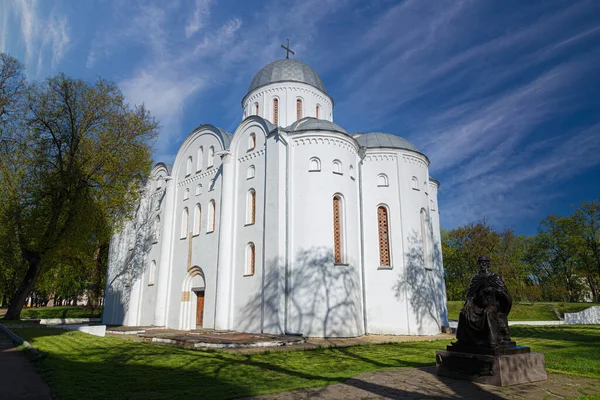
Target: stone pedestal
498, 370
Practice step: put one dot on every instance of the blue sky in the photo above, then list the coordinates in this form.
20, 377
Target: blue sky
503, 96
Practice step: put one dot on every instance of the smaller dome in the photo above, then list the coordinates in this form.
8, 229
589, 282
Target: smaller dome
313, 124
383, 140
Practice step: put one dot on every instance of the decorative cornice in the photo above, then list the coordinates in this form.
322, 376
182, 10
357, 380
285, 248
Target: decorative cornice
197, 176
252, 155
414, 160
329, 141
381, 157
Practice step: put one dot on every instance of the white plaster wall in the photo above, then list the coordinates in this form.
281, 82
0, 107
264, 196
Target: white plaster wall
438, 261
588, 316
205, 245
288, 93
325, 299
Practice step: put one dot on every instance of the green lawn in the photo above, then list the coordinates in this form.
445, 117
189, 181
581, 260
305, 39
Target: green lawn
60, 312
115, 368
541, 311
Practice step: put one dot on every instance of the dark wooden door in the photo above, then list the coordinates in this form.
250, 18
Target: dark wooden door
199, 308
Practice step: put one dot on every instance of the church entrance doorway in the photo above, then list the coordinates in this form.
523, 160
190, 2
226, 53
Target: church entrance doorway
199, 308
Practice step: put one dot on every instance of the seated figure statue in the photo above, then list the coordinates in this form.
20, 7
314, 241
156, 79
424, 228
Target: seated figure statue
483, 319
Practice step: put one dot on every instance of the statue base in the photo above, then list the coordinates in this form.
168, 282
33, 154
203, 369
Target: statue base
504, 349
498, 370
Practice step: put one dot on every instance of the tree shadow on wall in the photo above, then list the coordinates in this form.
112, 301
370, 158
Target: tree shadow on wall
323, 299
423, 287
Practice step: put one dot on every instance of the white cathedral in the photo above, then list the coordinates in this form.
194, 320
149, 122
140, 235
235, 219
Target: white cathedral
290, 225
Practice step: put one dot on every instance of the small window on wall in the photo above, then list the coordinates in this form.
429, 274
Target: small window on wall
338, 238
152, 273
415, 183
317, 111
351, 172
210, 226
250, 207
188, 169
255, 108
197, 219
275, 111
211, 185
384, 237
198, 190
250, 259
159, 182
251, 142
431, 205
211, 157
251, 172
337, 167
200, 159
382, 180
314, 165
184, 223
298, 109
186, 194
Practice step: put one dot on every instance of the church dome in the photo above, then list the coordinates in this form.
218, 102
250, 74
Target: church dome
285, 70
384, 140
313, 124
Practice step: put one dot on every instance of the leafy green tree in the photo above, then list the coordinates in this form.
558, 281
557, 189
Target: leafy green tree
587, 218
80, 148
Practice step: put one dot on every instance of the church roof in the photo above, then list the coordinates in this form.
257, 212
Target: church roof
313, 124
287, 69
383, 140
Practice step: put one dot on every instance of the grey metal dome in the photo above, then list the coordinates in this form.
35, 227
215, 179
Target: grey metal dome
313, 124
383, 140
287, 69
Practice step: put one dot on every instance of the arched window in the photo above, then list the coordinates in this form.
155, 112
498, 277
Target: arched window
415, 183
275, 111
384, 237
337, 167
431, 205
250, 259
338, 234
425, 238
255, 108
152, 273
197, 219
317, 111
382, 180
251, 142
250, 207
156, 229
298, 109
184, 223
188, 169
198, 190
186, 193
251, 172
314, 165
159, 182
211, 157
210, 226
200, 159
211, 185
351, 171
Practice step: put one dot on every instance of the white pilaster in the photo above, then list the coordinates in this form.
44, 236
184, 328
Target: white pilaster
225, 244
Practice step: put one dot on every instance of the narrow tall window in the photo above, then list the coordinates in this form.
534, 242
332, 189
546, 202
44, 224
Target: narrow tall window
255, 108
159, 183
317, 109
415, 183
199, 190
251, 172
425, 238
384, 237
250, 207
152, 273
337, 230
211, 157
251, 142
197, 219
184, 223
298, 109
250, 259
186, 194
337, 167
275, 111
210, 227
200, 159
188, 169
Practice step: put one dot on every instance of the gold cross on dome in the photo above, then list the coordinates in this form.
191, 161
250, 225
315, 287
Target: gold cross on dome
287, 48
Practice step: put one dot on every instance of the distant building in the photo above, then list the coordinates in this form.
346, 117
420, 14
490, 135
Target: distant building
289, 225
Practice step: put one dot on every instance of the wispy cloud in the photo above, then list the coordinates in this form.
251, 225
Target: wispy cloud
199, 17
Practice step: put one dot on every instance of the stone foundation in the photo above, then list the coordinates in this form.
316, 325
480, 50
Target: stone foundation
502, 370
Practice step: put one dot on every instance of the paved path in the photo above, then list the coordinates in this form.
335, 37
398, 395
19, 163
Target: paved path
423, 383
18, 378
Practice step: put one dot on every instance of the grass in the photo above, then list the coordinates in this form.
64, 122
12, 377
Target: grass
114, 368
540, 311
60, 312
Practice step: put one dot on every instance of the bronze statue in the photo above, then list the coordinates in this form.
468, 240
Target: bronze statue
483, 319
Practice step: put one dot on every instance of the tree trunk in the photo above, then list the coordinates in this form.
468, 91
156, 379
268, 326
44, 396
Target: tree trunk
95, 287
34, 262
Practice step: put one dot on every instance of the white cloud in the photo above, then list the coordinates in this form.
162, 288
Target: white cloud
199, 18
57, 33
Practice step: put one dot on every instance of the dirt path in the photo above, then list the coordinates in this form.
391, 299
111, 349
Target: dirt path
18, 378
